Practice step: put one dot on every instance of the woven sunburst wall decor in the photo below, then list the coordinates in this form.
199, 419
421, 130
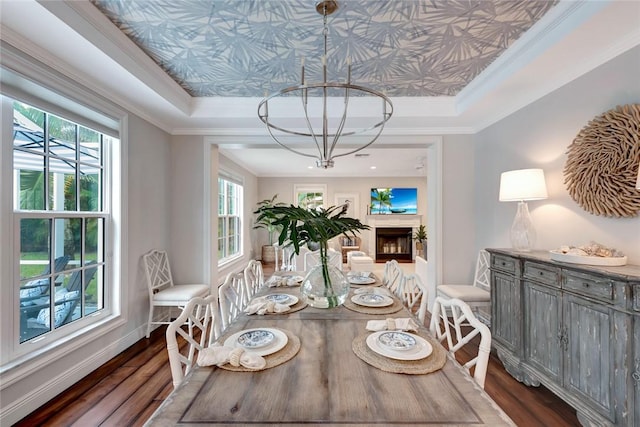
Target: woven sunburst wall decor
602, 163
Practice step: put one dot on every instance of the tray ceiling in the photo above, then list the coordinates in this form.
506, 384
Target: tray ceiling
244, 48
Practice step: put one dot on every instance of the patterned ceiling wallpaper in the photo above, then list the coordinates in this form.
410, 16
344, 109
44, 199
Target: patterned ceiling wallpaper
249, 47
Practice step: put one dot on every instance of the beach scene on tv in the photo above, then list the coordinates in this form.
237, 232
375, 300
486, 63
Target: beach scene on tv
394, 201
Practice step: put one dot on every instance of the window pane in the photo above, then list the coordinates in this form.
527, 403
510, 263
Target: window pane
62, 137
94, 292
35, 308
34, 247
62, 184
93, 245
68, 238
31, 183
221, 197
90, 189
28, 123
90, 146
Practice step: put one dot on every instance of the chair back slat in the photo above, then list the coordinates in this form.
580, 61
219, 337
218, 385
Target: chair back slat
452, 320
253, 276
233, 296
202, 329
482, 277
392, 277
157, 270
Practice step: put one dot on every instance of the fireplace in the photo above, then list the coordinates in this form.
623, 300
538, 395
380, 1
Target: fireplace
394, 243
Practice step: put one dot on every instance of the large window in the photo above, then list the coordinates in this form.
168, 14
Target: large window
229, 219
61, 210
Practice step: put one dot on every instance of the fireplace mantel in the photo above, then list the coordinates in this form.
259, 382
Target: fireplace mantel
390, 221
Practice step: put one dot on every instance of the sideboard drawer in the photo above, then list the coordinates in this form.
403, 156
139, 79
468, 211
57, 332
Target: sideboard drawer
588, 285
504, 263
635, 291
543, 273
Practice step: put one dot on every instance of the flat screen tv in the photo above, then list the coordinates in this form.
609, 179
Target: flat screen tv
396, 201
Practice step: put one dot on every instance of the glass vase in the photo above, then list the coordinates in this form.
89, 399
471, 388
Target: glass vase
325, 286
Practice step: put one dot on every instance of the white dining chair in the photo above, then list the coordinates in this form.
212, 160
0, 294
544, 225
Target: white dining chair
452, 320
392, 276
163, 292
233, 297
201, 316
476, 295
253, 276
414, 295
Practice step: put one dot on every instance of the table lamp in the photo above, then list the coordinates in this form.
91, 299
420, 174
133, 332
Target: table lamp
522, 185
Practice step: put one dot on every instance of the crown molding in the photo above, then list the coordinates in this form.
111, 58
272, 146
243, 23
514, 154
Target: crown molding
40, 57
84, 18
557, 23
260, 132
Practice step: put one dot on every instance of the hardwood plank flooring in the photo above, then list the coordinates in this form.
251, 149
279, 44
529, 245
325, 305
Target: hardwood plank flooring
126, 390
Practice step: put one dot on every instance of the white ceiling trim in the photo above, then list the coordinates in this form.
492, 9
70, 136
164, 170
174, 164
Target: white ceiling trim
554, 25
84, 18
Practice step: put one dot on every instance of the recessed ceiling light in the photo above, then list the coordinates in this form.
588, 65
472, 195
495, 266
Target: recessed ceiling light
372, 167
309, 167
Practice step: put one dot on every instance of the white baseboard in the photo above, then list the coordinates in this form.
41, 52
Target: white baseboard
13, 412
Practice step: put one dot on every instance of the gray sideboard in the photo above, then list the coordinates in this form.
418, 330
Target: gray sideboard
574, 328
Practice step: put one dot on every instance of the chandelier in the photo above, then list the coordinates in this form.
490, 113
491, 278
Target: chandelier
324, 131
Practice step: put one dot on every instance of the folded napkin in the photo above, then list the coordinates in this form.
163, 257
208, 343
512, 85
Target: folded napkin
372, 290
219, 355
276, 281
262, 306
399, 324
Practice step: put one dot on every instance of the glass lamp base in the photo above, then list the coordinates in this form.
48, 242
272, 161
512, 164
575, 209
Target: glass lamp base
523, 234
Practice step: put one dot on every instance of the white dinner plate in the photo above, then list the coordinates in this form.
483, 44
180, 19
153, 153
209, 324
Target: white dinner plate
372, 300
277, 344
361, 280
281, 298
420, 350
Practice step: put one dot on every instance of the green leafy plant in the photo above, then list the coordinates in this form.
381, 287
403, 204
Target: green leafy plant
300, 226
266, 222
420, 234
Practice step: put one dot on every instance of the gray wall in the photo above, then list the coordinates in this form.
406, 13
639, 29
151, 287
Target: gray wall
537, 136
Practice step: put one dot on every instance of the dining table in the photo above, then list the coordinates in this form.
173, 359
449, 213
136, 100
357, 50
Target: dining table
330, 377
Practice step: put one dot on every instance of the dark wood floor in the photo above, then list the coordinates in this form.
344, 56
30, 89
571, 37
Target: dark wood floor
128, 389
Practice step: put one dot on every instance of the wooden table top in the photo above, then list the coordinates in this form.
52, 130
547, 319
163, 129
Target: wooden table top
326, 384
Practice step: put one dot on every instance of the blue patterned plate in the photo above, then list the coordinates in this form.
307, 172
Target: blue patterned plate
396, 340
256, 339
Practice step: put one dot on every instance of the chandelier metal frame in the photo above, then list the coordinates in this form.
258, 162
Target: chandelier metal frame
326, 141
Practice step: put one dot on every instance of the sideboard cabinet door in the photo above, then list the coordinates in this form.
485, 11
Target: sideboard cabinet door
543, 328
505, 305
589, 361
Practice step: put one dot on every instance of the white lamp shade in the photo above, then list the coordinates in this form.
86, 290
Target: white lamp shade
522, 184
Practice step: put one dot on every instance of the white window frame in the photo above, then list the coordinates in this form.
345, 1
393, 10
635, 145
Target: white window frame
55, 214
52, 93
224, 237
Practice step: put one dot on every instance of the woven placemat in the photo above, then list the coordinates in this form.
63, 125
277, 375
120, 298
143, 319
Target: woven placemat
435, 361
278, 358
393, 308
